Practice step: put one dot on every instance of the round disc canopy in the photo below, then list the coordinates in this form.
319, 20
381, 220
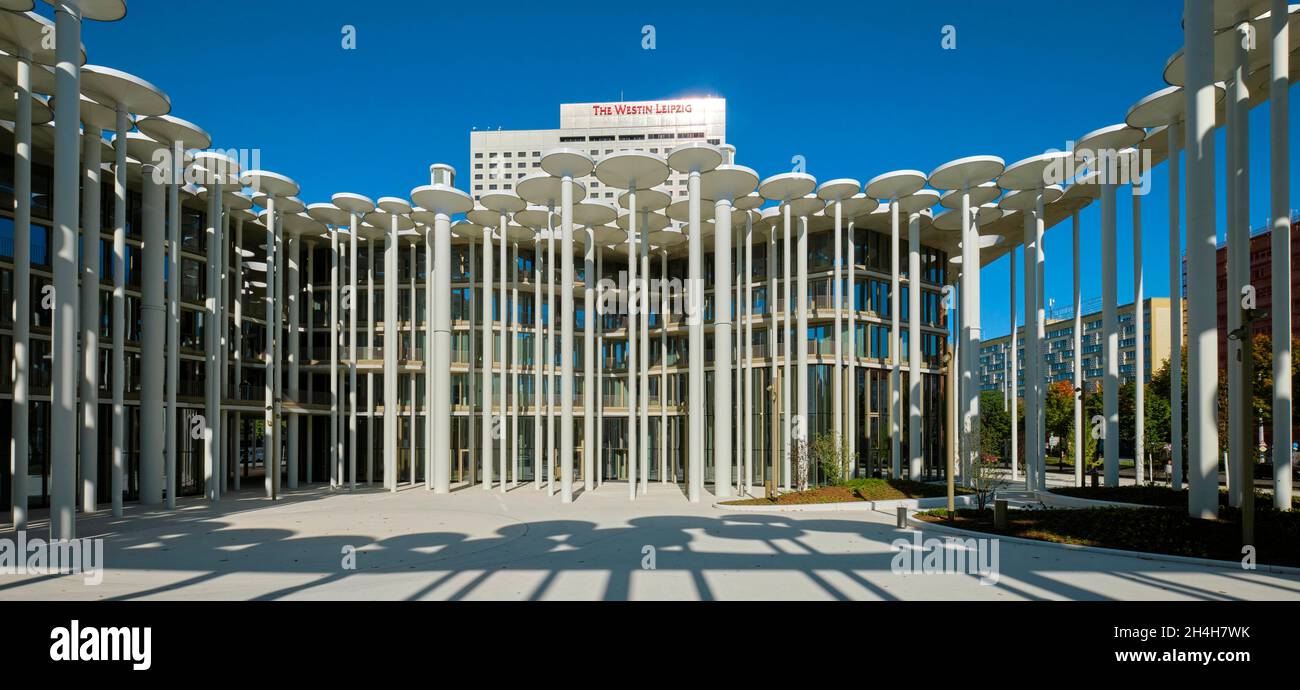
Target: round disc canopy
1027, 199
21, 28
1035, 172
921, 200
99, 10
606, 235
42, 77
302, 224
500, 202
645, 222
1085, 187
893, 185
41, 112
806, 205
218, 168
594, 213
632, 170
93, 114
467, 230
695, 156
728, 182
646, 200
384, 220
483, 216
853, 206
983, 194
329, 214
272, 184
668, 237
172, 130
835, 190
1113, 138
787, 186
289, 204
1160, 108
966, 172
567, 162
680, 211
441, 198
116, 88
535, 217
236, 201
519, 233
393, 205
544, 190
749, 202
143, 148
353, 203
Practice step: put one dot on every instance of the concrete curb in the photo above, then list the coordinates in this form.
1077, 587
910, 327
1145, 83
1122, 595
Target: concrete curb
1056, 500
1141, 555
856, 506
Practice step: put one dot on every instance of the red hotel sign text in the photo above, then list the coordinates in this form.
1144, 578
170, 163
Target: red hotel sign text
640, 109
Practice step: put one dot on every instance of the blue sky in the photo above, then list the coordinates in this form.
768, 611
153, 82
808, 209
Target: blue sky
857, 88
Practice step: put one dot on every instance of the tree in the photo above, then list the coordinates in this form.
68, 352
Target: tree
831, 453
995, 424
1058, 411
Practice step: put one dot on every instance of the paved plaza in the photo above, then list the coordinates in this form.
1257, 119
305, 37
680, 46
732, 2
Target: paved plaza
476, 545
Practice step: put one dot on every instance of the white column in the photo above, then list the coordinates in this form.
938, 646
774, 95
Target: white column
1033, 359
152, 313
633, 303
485, 439
600, 367
748, 395
370, 355
852, 425
336, 463
429, 393
1139, 318
1237, 197
663, 368
173, 326
644, 348
502, 348
837, 387
238, 345
1202, 337
270, 434
118, 377
695, 325
392, 343
566, 340
514, 365
1013, 375
801, 327
1077, 349
722, 325
771, 340
895, 356
353, 300
63, 351
412, 375
1110, 332
787, 380
1175, 305
294, 293
916, 456
92, 141
439, 307
211, 331
20, 446
538, 362
1040, 335
588, 359
1280, 180
549, 352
